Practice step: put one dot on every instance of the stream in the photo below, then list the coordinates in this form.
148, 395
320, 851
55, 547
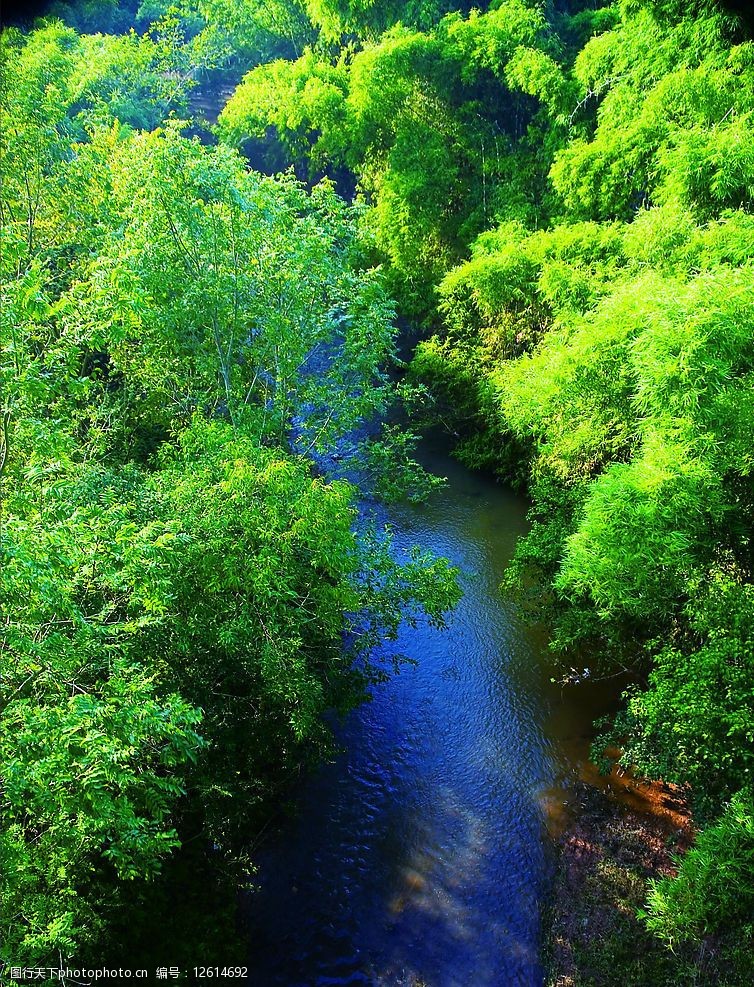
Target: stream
420, 856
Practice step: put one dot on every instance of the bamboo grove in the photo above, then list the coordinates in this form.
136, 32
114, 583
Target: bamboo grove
560, 195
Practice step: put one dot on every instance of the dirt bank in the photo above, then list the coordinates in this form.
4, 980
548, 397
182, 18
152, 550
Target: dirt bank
616, 834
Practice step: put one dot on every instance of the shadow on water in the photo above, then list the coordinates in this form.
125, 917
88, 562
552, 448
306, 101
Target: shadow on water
419, 856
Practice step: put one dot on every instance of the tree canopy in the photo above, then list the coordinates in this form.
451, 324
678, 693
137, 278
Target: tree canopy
178, 582
560, 196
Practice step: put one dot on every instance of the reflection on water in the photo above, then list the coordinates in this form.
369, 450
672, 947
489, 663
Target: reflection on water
418, 856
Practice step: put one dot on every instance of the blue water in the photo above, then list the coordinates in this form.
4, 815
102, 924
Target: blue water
418, 857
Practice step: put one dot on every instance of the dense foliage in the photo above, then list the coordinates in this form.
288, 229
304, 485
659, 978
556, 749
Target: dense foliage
427, 121
597, 342
183, 597
562, 194
613, 353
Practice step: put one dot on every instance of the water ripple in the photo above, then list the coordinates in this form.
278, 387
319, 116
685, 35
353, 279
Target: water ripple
417, 857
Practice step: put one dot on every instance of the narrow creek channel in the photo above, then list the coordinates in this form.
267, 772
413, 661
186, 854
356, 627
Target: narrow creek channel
419, 857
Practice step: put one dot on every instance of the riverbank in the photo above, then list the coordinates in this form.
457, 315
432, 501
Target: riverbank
618, 838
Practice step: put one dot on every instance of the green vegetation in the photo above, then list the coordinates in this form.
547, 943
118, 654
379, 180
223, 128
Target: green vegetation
425, 120
177, 583
562, 195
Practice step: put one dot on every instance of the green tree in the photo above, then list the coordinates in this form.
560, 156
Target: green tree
177, 584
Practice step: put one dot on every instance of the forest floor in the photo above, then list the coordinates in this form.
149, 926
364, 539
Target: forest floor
617, 835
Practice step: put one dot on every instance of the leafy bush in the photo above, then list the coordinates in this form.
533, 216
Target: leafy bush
714, 888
